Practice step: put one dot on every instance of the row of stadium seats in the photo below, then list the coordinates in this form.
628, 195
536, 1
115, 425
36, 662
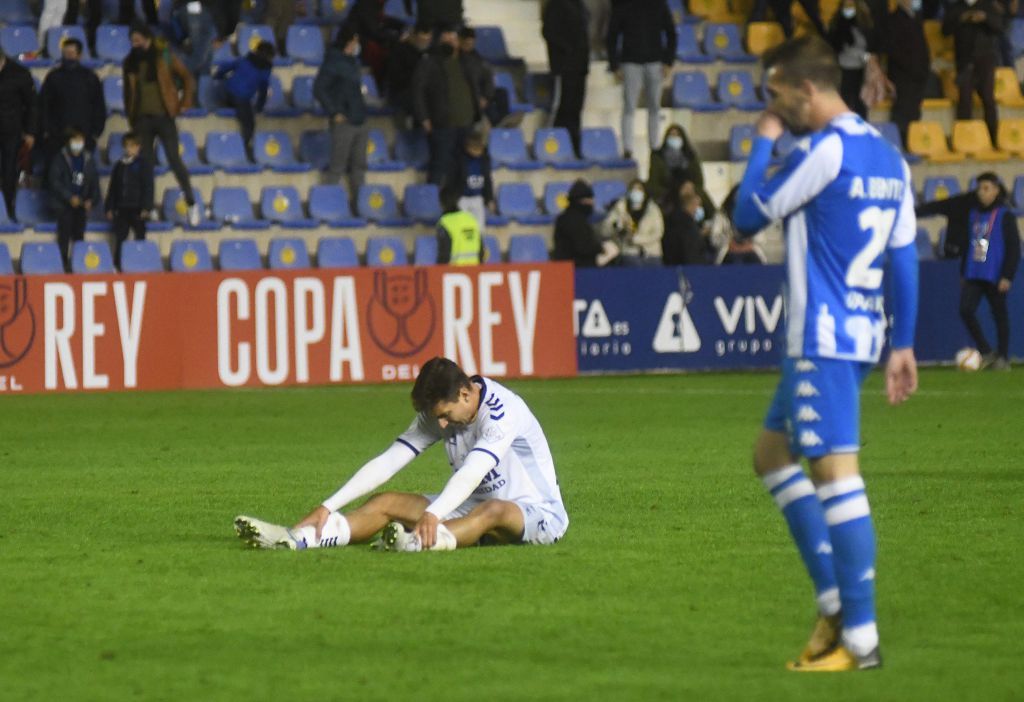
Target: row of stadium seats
328, 205
193, 255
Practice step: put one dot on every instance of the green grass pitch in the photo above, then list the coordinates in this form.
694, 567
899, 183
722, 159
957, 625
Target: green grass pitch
121, 578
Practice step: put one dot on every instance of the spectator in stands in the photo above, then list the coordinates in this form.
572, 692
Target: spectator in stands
17, 123
459, 241
248, 78
125, 15
226, 14
71, 96
472, 181
479, 74
599, 12
74, 186
405, 56
437, 14
52, 15
683, 243
376, 33
196, 33
729, 246
129, 194
906, 49
673, 163
636, 227
976, 27
641, 50
782, 9
565, 33
444, 104
851, 34
575, 238
338, 88
279, 15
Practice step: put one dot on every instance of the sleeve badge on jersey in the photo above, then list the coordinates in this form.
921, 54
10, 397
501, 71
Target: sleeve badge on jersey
493, 433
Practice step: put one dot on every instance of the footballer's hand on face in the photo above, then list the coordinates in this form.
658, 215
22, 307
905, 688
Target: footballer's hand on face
426, 530
769, 125
900, 375
316, 519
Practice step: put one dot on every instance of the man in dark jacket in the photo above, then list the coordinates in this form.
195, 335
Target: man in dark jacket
125, 15
129, 195
445, 104
338, 88
476, 68
904, 44
74, 186
405, 56
575, 238
682, 243
956, 210
641, 51
248, 78
565, 25
71, 96
976, 27
17, 123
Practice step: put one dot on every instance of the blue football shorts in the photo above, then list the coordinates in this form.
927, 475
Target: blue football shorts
817, 405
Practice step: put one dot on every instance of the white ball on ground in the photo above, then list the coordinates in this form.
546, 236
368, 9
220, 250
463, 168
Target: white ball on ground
968, 359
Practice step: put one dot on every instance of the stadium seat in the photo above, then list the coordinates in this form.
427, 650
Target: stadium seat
504, 80
23, 43
939, 45
971, 137
607, 193
6, 225
736, 89
91, 257
527, 248
762, 36
396, 9
1007, 88
424, 251
18, 12
330, 204
277, 104
422, 203
284, 206
741, 139
552, 146
891, 132
679, 13
41, 258
377, 203
232, 206
508, 150
175, 210
492, 249
113, 94
6, 264
490, 43
113, 42
722, 41
1011, 136
926, 139
225, 53
211, 97
302, 95
923, 243
287, 254
690, 90
539, 90
377, 158
556, 197
238, 255
1017, 36
412, 149
1018, 194
55, 37
712, 10
273, 149
305, 43
516, 200
226, 151
599, 145
315, 149
32, 209
335, 11
385, 251
141, 257
250, 35
336, 252
688, 47
939, 188
189, 153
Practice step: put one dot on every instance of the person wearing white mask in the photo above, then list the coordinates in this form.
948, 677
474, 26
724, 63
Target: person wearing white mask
635, 225
908, 64
74, 186
976, 27
851, 35
675, 161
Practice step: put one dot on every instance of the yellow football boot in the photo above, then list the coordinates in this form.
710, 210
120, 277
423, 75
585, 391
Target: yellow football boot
838, 660
824, 638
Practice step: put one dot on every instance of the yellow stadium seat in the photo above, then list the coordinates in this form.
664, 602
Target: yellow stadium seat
828, 9
927, 139
1011, 136
971, 137
716, 11
1008, 88
762, 36
940, 46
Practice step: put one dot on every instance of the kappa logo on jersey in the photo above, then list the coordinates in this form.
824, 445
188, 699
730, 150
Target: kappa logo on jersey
676, 332
808, 439
401, 314
497, 409
824, 548
869, 574
17, 322
806, 413
805, 366
806, 389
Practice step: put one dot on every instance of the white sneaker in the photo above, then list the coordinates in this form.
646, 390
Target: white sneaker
395, 537
195, 214
260, 534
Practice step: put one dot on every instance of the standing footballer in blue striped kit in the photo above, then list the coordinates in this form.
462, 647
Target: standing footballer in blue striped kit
845, 198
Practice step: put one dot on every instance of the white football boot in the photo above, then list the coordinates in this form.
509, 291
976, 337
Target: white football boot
260, 534
395, 537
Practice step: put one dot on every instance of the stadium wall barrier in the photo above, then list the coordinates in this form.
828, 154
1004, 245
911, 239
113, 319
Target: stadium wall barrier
731, 317
261, 328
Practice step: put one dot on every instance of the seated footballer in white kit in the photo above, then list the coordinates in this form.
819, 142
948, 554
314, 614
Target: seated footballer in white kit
503, 484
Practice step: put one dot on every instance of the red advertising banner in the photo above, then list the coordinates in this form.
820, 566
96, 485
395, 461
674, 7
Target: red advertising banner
270, 328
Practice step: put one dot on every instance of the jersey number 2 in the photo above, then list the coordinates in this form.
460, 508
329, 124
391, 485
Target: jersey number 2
879, 223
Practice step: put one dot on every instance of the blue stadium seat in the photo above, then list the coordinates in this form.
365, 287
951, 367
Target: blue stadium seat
302, 95
422, 203
891, 132
736, 89
741, 139
607, 193
225, 151
189, 153
378, 204
287, 254
6, 225
335, 11
490, 43
175, 210
113, 42
336, 252
425, 250
556, 197
238, 255
55, 37
250, 35
599, 144
225, 53
690, 89
141, 257
329, 204
274, 150
1017, 36
277, 104
41, 258
385, 251
377, 158
516, 200
32, 209
1018, 194
923, 243
305, 43
412, 149
722, 41
22, 42
315, 149
284, 206
211, 96
18, 12
680, 15
396, 9
492, 249
91, 257
113, 94
231, 205
552, 146
687, 46
527, 248
539, 90
6, 264
939, 188
503, 79
508, 150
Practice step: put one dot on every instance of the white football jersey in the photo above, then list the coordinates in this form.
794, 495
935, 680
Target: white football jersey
506, 430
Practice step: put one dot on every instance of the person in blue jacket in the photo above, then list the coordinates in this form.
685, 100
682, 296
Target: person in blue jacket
245, 79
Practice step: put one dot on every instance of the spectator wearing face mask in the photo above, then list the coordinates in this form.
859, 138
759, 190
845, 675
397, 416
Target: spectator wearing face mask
683, 243
976, 27
338, 88
74, 186
71, 96
636, 227
908, 62
129, 195
671, 164
575, 238
403, 59
852, 36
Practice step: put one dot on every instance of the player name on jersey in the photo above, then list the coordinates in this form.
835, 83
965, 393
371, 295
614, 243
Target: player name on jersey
876, 188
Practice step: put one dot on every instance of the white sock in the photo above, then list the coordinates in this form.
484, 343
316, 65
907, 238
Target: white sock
336, 532
828, 602
445, 539
861, 640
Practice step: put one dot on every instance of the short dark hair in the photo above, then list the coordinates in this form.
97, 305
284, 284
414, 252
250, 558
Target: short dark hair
72, 132
141, 28
266, 50
467, 32
346, 33
804, 58
993, 178
130, 138
72, 41
440, 380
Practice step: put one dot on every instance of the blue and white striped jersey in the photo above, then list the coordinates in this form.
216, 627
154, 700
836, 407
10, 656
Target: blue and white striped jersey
844, 195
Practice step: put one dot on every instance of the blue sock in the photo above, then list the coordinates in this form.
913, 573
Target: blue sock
848, 516
794, 494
